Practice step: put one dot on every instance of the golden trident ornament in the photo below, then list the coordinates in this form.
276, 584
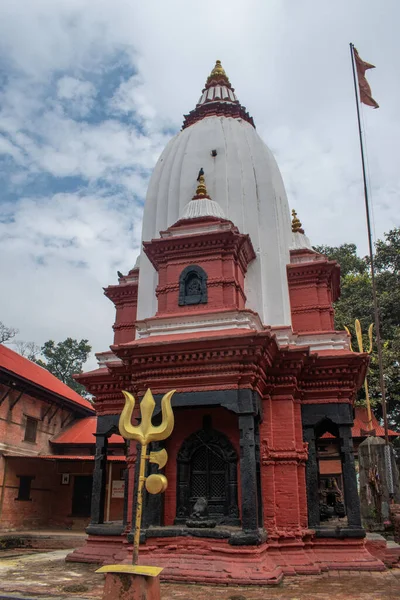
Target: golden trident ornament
145, 433
357, 325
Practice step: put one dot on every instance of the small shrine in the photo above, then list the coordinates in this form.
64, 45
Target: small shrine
229, 305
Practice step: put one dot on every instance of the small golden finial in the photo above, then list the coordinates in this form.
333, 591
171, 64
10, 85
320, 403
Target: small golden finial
296, 223
201, 191
218, 72
218, 69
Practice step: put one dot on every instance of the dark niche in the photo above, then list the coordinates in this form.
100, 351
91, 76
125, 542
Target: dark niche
192, 286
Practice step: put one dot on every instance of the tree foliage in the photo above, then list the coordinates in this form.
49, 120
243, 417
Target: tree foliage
65, 359
356, 302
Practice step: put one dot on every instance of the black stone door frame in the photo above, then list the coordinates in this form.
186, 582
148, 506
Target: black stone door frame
106, 426
340, 415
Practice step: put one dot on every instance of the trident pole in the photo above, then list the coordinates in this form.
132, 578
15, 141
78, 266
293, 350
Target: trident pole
373, 281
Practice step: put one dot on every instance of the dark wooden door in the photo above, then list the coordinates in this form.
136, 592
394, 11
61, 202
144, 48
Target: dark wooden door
209, 479
82, 495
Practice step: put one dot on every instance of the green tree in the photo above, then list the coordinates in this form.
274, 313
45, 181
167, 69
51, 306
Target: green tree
65, 359
356, 302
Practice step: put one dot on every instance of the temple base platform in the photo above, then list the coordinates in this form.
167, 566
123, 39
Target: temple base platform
215, 561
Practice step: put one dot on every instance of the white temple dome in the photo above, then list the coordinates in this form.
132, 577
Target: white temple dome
243, 179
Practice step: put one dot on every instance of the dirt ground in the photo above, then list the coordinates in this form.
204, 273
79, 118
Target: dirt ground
46, 576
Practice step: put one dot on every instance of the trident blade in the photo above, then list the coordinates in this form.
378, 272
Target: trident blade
370, 329
359, 336
126, 429
350, 344
161, 432
146, 432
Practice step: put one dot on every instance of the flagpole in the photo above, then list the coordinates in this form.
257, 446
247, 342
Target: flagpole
373, 281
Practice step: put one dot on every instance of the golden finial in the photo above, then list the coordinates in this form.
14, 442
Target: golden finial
296, 223
201, 191
218, 69
218, 72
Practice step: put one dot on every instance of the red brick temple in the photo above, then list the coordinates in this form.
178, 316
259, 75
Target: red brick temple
229, 304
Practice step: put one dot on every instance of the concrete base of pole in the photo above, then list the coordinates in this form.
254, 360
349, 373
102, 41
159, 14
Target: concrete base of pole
128, 582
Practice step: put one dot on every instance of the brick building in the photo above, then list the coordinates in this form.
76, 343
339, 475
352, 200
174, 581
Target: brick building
230, 306
47, 450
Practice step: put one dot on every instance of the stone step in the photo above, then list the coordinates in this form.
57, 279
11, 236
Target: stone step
387, 551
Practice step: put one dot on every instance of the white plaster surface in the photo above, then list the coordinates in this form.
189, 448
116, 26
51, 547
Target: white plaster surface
217, 321
300, 242
244, 179
202, 207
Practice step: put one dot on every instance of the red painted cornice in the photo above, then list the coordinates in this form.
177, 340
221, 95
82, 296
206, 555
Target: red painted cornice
122, 293
161, 250
217, 109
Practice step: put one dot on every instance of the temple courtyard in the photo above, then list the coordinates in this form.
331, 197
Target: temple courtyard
27, 575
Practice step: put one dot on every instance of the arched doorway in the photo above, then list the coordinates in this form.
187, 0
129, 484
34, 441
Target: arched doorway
207, 468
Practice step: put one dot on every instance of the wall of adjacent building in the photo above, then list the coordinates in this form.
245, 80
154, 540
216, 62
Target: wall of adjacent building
13, 423
32, 513
38, 511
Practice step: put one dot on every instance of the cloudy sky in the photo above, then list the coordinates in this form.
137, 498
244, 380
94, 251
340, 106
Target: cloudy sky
91, 91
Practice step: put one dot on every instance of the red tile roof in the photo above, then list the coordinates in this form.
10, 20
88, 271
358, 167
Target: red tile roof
361, 425
22, 367
82, 432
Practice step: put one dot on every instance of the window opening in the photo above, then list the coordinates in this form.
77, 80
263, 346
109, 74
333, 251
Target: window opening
24, 490
30, 429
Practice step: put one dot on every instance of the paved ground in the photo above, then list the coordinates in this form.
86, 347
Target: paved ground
45, 576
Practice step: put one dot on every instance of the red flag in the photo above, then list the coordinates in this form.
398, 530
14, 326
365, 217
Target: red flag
363, 85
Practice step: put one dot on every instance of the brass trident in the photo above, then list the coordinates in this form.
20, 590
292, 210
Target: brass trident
361, 349
145, 433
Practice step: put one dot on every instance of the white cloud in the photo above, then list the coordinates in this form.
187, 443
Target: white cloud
89, 90
78, 95
61, 251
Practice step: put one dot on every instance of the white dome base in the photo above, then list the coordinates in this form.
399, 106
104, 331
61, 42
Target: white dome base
202, 207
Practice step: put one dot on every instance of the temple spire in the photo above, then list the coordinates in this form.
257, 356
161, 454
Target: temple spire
217, 98
217, 74
201, 191
296, 223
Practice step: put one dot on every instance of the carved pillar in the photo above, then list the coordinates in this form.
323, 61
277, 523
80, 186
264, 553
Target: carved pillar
351, 498
99, 480
126, 488
153, 503
232, 495
258, 470
312, 478
248, 472
182, 491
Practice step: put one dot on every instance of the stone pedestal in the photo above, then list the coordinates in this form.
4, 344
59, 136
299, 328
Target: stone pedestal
128, 582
